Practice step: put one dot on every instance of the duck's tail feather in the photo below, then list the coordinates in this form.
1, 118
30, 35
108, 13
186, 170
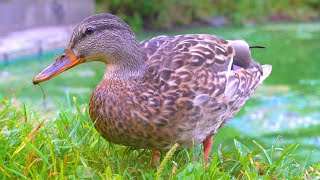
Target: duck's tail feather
252, 47
266, 71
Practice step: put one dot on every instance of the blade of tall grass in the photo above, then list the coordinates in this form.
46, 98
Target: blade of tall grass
264, 151
28, 138
165, 160
14, 172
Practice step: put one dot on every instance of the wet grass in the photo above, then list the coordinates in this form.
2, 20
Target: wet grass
67, 145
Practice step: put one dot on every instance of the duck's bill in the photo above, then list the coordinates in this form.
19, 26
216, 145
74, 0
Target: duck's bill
66, 61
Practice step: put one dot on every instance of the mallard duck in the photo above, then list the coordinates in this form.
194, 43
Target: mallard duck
164, 90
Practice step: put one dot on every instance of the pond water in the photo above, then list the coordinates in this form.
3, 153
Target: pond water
279, 111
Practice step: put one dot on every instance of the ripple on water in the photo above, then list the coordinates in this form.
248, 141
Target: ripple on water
275, 112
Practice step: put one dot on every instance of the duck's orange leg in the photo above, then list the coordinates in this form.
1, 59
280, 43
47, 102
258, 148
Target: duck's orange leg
155, 157
207, 145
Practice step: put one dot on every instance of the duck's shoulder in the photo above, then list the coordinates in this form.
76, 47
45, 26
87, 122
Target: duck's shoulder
191, 51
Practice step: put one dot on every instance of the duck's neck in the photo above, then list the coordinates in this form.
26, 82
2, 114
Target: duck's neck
126, 64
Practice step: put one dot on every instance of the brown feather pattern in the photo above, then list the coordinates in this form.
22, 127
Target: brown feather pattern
186, 94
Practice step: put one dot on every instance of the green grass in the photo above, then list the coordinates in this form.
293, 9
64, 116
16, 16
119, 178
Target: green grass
67, 145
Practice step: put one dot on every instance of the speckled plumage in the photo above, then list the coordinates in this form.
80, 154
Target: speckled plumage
165, 90
186, 94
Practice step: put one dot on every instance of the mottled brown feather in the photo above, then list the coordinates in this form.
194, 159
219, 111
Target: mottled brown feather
187, 93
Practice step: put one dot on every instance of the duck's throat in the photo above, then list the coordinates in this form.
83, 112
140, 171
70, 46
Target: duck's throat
126, 67
123, 71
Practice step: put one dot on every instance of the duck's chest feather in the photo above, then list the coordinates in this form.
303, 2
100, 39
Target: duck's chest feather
131, 114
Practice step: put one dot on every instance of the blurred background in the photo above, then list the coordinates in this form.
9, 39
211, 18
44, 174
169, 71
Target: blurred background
284, 110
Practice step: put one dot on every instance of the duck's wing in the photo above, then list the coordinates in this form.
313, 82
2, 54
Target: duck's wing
196, 73
192, 52
199, 58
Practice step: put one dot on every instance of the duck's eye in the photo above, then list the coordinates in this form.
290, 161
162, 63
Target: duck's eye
89, 30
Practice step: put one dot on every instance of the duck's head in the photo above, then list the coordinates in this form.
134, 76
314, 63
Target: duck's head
100, 37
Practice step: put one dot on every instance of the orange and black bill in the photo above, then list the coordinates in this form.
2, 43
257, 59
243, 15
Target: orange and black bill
64, 62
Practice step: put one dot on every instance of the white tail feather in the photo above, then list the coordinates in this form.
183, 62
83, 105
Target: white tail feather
266, 72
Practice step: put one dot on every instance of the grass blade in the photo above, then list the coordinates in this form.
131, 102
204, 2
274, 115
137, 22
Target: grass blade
28, 138
45, 159
14, 171
165, 160
264, 151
